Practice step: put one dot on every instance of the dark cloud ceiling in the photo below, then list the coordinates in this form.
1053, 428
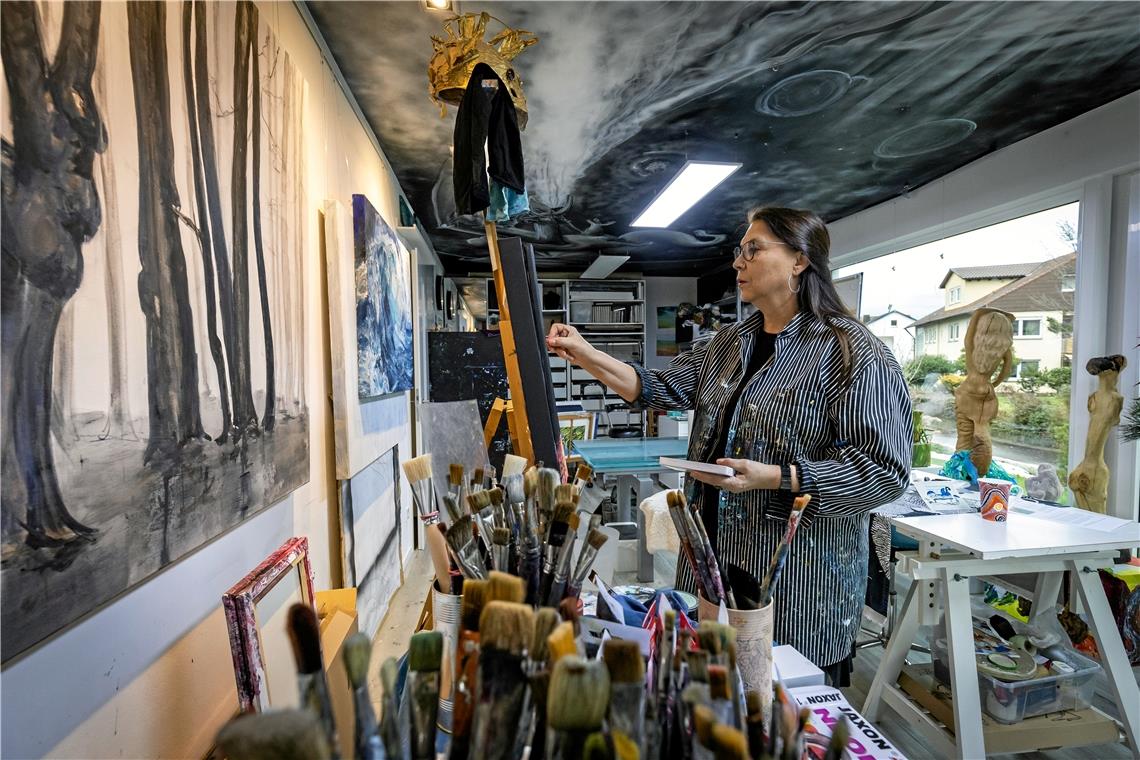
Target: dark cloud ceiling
833, 106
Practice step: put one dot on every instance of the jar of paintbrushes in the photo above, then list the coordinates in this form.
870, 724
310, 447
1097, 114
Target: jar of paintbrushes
731, 595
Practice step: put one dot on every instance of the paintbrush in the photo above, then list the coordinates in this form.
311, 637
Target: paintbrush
424, 656
389, 716
729, 743
576, 705
501, 547
840, 736
479, 506
719, 640
664, 675
797, 751
418, 473
478, 480
675, 501
703, 720
455, 482
595, 540
452, 509
780, 556
504, 587
562, 563
556, 537
703, 548
305, 636
366, 740
466, 663
491, 472
627, 688
274, 735
505, 629
754, 723
544, 495
562, 642
465, 549
721, 699
513, 465
583, 475
538, 668
455, 576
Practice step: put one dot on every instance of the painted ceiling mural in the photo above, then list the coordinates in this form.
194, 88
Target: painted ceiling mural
833, 106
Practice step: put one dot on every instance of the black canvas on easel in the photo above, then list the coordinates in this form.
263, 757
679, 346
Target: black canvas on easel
525, 307
470, 365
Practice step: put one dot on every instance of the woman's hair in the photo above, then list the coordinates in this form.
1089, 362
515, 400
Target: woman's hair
805, 232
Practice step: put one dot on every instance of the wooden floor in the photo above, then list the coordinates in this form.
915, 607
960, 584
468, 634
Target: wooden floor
399, 624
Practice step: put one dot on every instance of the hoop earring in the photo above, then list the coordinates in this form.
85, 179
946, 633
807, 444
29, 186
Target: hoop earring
796, 289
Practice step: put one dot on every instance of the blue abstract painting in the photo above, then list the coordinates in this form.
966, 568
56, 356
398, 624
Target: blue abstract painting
383, 304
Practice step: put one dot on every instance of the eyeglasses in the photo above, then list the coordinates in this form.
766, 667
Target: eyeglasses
753, 247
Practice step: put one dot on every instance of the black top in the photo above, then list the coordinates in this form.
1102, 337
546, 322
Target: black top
762, 350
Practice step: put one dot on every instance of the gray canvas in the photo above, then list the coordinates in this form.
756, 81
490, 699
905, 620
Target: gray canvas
383, 304
152, 310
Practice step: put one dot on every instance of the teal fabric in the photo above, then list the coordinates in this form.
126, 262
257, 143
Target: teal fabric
506, 204
960, 467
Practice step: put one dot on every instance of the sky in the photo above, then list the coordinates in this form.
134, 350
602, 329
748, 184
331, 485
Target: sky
908, 280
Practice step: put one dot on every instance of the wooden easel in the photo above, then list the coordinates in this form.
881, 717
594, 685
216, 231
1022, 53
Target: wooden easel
515, 409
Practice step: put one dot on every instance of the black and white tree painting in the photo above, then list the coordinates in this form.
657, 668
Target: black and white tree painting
153, 333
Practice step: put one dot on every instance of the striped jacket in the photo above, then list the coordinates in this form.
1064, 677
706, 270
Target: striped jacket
851, 444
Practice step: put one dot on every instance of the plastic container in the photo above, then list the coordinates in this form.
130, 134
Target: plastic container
1013, 701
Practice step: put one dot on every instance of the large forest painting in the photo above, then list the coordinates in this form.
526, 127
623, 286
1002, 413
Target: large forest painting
153, 333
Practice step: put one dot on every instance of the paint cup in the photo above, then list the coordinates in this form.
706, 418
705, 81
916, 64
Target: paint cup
753, 646
445, 611
994, 494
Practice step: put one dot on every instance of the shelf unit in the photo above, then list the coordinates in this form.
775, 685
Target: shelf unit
610, 314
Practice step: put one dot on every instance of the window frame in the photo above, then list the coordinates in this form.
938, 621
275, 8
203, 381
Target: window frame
953, 332
956, 294
1019, 331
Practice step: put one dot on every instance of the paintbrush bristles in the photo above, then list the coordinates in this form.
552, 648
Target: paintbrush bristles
305, 636
274, 735
504, 587
417, 469
513, 465
729, 744
357, 653
545, 621
566, 492
460, 533
715, 637
513, 484
584, 472
425, 651
478, 501
596, 538
579, 695
455, 474
718, 682
507, 626
561, 642
703, 722
474, 598
623, 659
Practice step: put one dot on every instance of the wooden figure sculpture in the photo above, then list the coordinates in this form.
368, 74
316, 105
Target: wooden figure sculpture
989, 349
1089, 479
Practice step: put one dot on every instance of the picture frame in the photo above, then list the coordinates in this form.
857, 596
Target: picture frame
256, 609
575, 426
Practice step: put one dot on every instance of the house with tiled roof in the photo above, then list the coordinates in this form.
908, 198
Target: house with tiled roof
893, 327
1036, 293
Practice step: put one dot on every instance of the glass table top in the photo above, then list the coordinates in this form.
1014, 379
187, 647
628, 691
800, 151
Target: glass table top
611, 455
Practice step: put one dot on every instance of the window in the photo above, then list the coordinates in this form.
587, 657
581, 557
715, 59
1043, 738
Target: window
1032, 425
1027, 328
1024, 368
894, 323
1068, 283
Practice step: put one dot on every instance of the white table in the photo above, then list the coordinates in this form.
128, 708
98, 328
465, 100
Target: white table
954, 548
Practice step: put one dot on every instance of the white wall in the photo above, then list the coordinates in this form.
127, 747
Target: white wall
663, 291
150, 675
1092, 159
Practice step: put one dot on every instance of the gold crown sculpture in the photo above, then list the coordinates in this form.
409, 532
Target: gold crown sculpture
455, 59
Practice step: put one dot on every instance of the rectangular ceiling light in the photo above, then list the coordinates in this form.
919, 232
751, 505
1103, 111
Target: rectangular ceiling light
695, 180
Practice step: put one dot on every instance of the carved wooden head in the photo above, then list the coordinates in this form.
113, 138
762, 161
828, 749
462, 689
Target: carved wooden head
989, 343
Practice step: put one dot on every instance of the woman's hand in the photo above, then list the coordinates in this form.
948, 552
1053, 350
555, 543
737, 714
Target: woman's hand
565, 341
750, 476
